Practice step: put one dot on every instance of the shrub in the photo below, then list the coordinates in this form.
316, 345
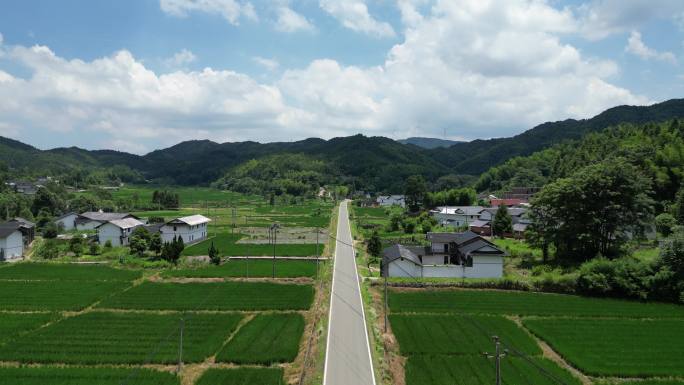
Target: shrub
94, 249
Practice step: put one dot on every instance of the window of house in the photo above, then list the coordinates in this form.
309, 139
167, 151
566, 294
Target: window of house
174, 228
469, 261
446, 248
446, 259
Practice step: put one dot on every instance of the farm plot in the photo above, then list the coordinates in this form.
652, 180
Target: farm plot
66, 272
522, 303
54, 295
435, 334
122, 338
478, 370
84, 376
213, 296
242, 376
12, 325
249, 268
266, 339
228, 245
626, 348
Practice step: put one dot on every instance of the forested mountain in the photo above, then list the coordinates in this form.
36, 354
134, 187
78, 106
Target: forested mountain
656, 149
428, 143
477, 156
367, 163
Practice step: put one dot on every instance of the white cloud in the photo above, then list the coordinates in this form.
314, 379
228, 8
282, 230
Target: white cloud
180, 59
354, 15
231, 10
478, 68
291, 21
601, 18
637, 47
269, 64
1, 39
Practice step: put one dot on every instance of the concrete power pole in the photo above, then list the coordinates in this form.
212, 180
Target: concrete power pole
497, 357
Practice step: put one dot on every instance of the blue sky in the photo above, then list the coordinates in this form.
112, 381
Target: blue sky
138, 75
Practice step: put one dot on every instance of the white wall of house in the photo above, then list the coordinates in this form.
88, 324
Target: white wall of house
433, 259
12, 247
456, 219
190, 234
403, 268
484, 266
67, 223
116, 235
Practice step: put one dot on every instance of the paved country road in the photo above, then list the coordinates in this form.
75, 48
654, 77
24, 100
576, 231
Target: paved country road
347, 359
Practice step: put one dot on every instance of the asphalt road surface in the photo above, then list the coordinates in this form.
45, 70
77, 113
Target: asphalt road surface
347, 359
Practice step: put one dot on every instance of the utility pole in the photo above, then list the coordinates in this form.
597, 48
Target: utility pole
274, 237
180, 346
497, 357
386, 307
317, 255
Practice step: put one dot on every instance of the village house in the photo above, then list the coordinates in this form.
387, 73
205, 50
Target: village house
191, 229
66, 222
450, 255
11, 242
456, 216
94, 219
391, 200
483, 226
117, 231
27, 228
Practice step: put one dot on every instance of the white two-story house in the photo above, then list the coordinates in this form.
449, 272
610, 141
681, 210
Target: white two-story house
117, 231
192, 229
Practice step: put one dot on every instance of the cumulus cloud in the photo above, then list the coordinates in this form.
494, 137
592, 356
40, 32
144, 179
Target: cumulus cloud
231, 10
637, 47
354, 15
180, 59
598, 19
290, 21
269, 64
479, 69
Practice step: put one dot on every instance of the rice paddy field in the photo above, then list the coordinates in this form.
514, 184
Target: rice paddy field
67, 324
228, 245
223, 296
256, 268
266, 339
443, 334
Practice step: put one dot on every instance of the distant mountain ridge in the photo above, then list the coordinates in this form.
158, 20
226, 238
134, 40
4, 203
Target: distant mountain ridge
428, 143
373, 163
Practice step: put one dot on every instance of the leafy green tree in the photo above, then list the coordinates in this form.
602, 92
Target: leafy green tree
503, 223
595, 211
138, 245
50, 231
396, 222
47, 250
415, 192
680, 207
665, 223
374, 246
108, 245
76, 245
46, 199
155, 245
94, 248
214, 255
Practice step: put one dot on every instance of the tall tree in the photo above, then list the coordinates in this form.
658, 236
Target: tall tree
503, 223
595, 211
415, 192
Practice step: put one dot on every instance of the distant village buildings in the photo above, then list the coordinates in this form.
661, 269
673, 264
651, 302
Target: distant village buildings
16, 235
391, 200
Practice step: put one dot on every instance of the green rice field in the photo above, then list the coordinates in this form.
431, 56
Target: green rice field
54, 295
438, 334
266, 339
227, 245
65, 272
242, 376
84, 376
122, 338
524, 304
213, 296
476, 370
616, 347
15, 324
250, 268
602, 338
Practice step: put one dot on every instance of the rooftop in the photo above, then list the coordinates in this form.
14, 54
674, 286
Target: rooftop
192, 220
